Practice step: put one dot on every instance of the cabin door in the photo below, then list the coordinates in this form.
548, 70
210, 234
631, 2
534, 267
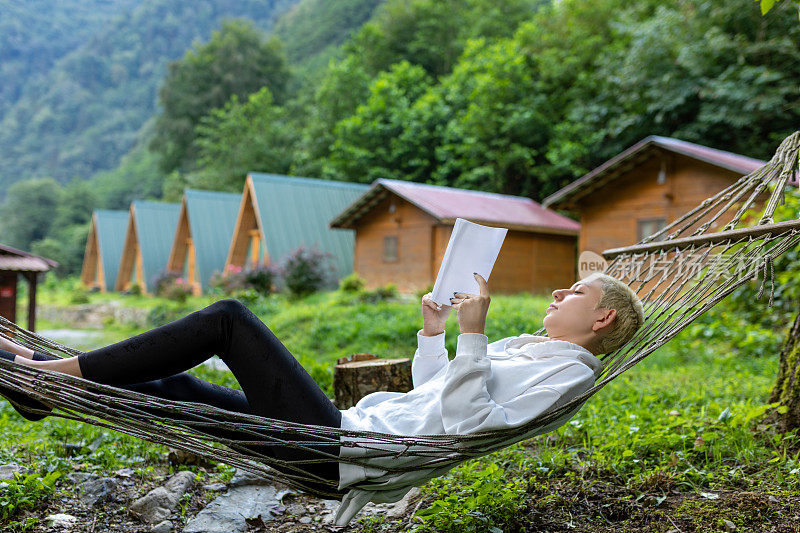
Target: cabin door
8, 295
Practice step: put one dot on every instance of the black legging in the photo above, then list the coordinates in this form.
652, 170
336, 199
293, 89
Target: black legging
275, 385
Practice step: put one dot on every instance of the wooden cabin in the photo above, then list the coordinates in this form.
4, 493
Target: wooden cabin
402, 230
148, 240
646, 187
13, 265
279, 214
104, 249
203, 236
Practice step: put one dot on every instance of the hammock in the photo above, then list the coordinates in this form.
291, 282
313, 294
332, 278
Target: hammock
679, 273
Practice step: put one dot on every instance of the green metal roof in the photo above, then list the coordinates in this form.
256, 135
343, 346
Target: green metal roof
297, 211
212, 218
155, 227
111, 228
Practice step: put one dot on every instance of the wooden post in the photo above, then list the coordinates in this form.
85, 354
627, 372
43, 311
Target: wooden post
360, 374
31, 300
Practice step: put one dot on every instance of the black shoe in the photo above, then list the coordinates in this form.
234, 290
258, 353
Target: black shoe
23, 404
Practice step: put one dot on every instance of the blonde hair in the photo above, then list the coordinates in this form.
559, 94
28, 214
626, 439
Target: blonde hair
630, 313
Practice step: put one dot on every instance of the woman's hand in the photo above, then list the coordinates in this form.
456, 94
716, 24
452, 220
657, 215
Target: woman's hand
472, 308
434, 316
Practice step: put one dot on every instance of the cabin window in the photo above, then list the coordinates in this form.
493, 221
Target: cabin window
649, 226
390, 248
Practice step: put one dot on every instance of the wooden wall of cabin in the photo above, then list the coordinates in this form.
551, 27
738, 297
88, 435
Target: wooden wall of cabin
8, 295
609, 216
394, 217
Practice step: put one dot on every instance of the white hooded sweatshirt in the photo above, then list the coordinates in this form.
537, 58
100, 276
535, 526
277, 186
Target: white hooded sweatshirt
485, 387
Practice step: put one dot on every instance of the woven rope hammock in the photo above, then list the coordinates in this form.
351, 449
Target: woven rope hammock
679, 273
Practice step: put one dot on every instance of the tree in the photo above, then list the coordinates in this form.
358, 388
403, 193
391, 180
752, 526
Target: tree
372, 143
499, 121
698, 72
344, 87
27, 212
254, 135
433, 33
236, 61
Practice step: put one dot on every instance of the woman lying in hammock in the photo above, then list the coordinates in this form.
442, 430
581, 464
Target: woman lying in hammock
485, 387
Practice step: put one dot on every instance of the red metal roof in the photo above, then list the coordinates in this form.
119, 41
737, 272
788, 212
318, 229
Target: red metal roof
17, 260
583, 185
447, 203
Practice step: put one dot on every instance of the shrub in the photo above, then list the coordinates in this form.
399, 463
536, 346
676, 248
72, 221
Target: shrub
352, 283
261, 279
229, 281
134, 290
422, 292
79, 297
306, 271
172, 286
380, 294
162, 314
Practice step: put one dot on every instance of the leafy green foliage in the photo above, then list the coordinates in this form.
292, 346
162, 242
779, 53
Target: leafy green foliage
236, 61
38, 200
352, 283
767, 5
242, 137
432, 33
372, 143
24, 493
479, 497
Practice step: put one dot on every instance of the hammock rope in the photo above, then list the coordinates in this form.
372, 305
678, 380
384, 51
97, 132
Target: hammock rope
679, 273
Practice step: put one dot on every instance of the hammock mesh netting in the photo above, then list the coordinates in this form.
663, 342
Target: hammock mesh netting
679, 273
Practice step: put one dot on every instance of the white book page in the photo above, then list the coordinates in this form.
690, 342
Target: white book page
472, 248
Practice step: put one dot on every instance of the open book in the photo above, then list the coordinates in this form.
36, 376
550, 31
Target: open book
472, 248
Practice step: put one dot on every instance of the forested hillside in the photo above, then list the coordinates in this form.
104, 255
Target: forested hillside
34, 34
84, 113
518, 96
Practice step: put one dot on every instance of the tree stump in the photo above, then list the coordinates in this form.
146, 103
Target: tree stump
363, 373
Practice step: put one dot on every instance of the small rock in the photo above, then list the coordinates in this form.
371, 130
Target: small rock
215, 487
305, 520
97, 491
772, 499
8, 471
296, 509
229, 512
162, 527
245, 477
96, 443
60, 520
157, 504
80, 477
729, 526
124, 472
181, 457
